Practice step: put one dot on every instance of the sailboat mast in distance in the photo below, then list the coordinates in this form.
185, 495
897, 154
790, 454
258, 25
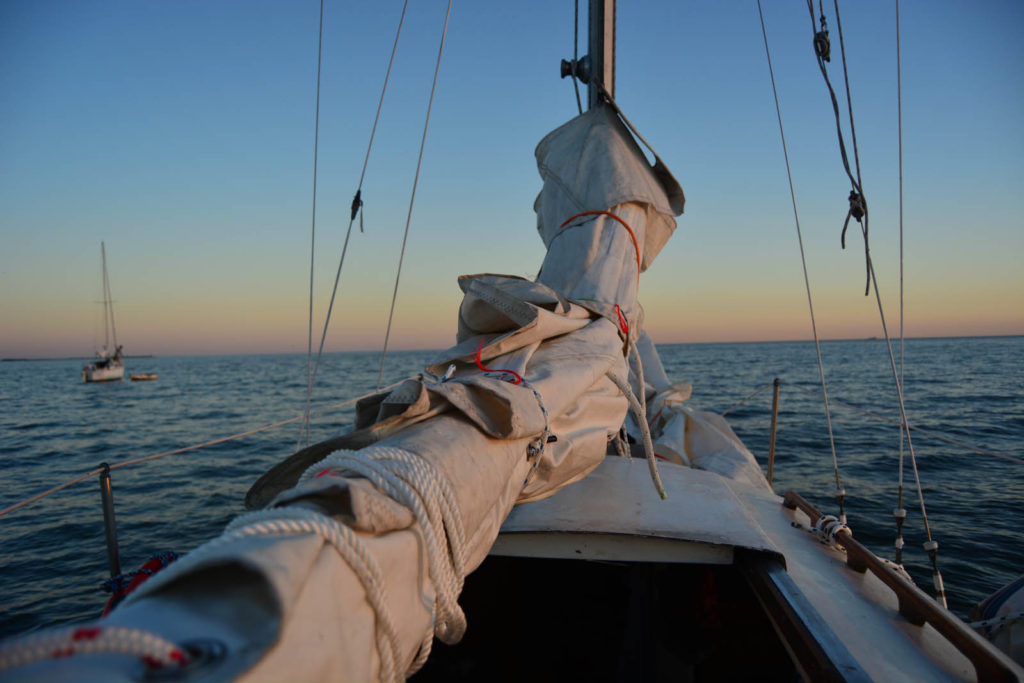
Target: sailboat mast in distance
109, 329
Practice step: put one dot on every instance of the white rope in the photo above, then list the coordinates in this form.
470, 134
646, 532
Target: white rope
413, 482
352, 550
291, 521
154, 651
826, 529
645, 430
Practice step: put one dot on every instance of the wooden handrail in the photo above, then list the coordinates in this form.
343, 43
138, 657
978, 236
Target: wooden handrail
915, 605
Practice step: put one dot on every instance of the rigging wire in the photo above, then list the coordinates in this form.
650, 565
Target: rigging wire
357, 209
304, 431
178, 451
840, 493
899, 513
412, 198
859, 205
575, 53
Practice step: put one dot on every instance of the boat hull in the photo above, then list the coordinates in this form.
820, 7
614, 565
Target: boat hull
110, 373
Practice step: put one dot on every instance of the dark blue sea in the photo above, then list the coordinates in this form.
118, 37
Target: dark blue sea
54, 428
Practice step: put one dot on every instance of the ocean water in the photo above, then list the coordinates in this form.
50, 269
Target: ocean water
54, 428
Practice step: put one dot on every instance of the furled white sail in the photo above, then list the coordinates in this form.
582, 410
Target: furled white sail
352, 571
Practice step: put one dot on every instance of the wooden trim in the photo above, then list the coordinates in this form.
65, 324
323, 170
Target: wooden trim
915, 605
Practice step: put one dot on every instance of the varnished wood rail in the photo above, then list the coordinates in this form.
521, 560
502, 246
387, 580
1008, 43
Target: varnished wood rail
990, 664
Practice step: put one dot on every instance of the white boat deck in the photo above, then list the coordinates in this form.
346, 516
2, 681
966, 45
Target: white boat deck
615, 514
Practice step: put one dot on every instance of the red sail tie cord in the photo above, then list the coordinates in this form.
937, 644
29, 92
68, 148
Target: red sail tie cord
479, 364
632, 234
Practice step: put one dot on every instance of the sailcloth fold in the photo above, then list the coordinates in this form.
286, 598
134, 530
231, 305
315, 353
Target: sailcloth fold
354, 566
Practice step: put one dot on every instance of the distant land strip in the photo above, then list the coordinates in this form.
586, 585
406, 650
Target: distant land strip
33, 360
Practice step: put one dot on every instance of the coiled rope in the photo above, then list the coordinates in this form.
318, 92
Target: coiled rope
826, 528
416, 484
411, 481
155, 652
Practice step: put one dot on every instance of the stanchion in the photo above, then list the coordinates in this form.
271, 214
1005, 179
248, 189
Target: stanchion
775, 424
109, 523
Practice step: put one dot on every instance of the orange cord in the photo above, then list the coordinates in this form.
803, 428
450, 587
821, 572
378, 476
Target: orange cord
632, 234
479, 364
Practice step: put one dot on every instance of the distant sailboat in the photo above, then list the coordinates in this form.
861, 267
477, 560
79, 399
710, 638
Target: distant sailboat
109, 364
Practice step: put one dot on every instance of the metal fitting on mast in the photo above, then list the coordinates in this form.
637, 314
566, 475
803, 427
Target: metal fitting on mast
596, 69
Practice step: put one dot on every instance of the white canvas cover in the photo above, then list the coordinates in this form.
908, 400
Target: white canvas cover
344, 579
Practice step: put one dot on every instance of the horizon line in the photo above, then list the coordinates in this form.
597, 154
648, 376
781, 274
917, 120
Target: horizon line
436, 350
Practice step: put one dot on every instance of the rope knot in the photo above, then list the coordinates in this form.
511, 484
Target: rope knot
357, 203
822, 45
858, 209
828, 527
857, 205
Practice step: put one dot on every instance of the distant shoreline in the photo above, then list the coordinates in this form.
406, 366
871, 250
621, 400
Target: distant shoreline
34, 360
436, 350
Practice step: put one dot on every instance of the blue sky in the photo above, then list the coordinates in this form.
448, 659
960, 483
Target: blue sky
181, 134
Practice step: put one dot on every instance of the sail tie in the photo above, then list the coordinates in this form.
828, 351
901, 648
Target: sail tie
621, 222
415, 483
535, 450
479, 363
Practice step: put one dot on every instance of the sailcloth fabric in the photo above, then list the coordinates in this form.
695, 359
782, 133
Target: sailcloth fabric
350, 571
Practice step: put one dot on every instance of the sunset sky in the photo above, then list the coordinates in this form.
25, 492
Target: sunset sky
181, 134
